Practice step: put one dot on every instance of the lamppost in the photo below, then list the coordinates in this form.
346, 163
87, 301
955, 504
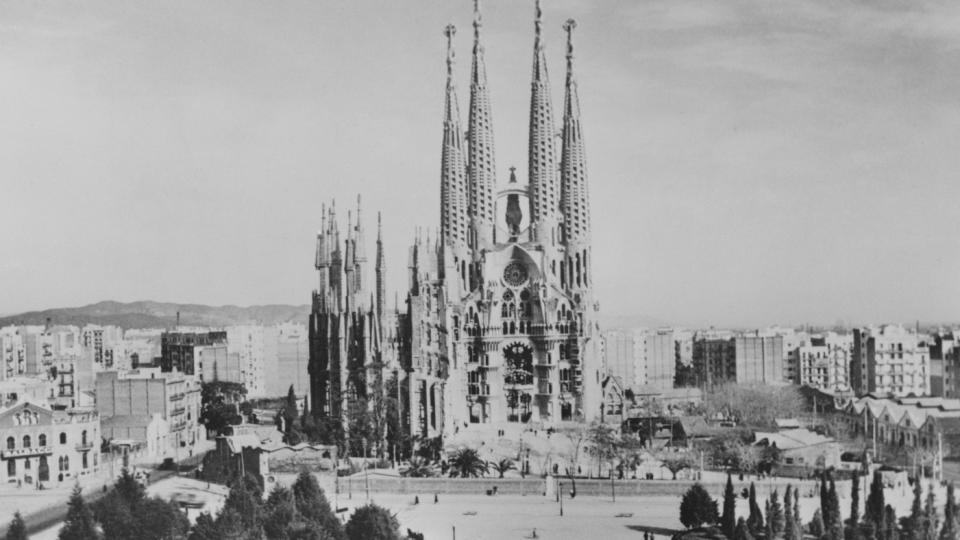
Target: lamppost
560, 497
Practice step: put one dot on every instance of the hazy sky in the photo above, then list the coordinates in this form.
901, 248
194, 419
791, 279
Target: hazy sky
750, 161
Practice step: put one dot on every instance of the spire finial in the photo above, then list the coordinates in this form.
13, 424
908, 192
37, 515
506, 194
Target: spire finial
477, 23
538, 22
358, 209
449, 31
513, 175
569, 27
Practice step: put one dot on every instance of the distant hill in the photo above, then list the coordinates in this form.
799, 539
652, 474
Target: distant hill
614, 322
148, 314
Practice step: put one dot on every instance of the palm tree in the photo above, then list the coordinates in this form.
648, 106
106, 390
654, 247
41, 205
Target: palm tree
419, 468
466, 462
503, 466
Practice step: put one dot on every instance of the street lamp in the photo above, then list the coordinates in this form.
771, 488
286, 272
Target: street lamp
560, 497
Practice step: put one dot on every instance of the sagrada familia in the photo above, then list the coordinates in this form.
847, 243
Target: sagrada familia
499, 326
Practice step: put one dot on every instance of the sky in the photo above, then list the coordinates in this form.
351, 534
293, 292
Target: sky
751, 162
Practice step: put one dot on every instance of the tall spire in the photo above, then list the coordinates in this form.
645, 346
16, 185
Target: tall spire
544, 202
453, 186
573, 172
481, 165
380, 270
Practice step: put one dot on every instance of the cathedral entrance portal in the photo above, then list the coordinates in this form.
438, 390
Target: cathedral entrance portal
518, 381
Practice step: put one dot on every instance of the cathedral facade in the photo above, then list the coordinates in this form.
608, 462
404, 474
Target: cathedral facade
499, 326
501, 318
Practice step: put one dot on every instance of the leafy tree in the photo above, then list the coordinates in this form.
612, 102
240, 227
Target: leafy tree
79, 523
753, 405
816, 527
604, 444
246, 499
755, 521
230, 524
372, 522
218, 405
698, 508
17, 529
158, 519
677, 462
205, 528
742, 532
950, 530
728, 521
503, 466
313, 505
775, 519
466, 462
769, 458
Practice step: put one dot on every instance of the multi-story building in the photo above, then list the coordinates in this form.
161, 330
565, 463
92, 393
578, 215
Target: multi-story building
13, 354
619, 360
177, 349
248, 344
36, 439
217, 363
944, 365
287, 353
825, 362
714, 359
889, 360
759, 359
98, 344
159, 410
641, 357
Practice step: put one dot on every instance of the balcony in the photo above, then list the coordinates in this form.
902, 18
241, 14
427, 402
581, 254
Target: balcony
27, 452
178, 411
545, 388
475, 389
84, 447
177, 397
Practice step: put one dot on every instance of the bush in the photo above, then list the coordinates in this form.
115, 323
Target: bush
698, 508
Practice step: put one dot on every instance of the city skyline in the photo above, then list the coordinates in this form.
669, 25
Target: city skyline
182, 153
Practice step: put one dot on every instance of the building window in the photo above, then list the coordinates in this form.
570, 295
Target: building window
85, 460
12, 467
11, 443
42, 440
63, 438
83, 438
26, 441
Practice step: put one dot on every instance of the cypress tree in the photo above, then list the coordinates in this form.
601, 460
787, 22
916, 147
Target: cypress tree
912, 524
775, 514
789, 532
854, 502
797, 521
728, 521
79, 523
931, 522
876, 505
889, 529
825, 500
742, 532
816, 526
950, 531
769, 533
17, 529
755, 520
835, 527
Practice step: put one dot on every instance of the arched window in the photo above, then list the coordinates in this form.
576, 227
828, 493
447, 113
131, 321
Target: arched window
42, 440
83, 438
60, 463
11, 443
26, 441
63, 438
66, 463
12, 468
85, 464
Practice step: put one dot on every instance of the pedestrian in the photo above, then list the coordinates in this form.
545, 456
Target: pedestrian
436, 498
416, 499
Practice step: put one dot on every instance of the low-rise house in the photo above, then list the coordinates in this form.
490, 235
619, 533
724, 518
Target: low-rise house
42, 445
248, 454
802, 448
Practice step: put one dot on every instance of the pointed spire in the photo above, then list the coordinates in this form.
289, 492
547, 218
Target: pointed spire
360, 237
381, 273
573, 172
453, 181
481, 165
545, 195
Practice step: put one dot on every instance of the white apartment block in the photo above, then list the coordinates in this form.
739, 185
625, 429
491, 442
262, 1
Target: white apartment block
890, 360
825, 362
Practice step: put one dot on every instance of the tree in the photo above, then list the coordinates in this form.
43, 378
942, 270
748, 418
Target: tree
753, 405
797, 522
741, 531
503, 466
17, 529
950, 530
875, 505
218, 409
158, 519
698, 508
677, 462
372, 522
854, 521
890, 531
79, 523
755, 521
604, 444
728, 521
775, 520
205, 528
419, 468
466, 462
280, 512
931, 522
911, 525
789, 529
816, 527
313, 505
835, 526
245, 497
